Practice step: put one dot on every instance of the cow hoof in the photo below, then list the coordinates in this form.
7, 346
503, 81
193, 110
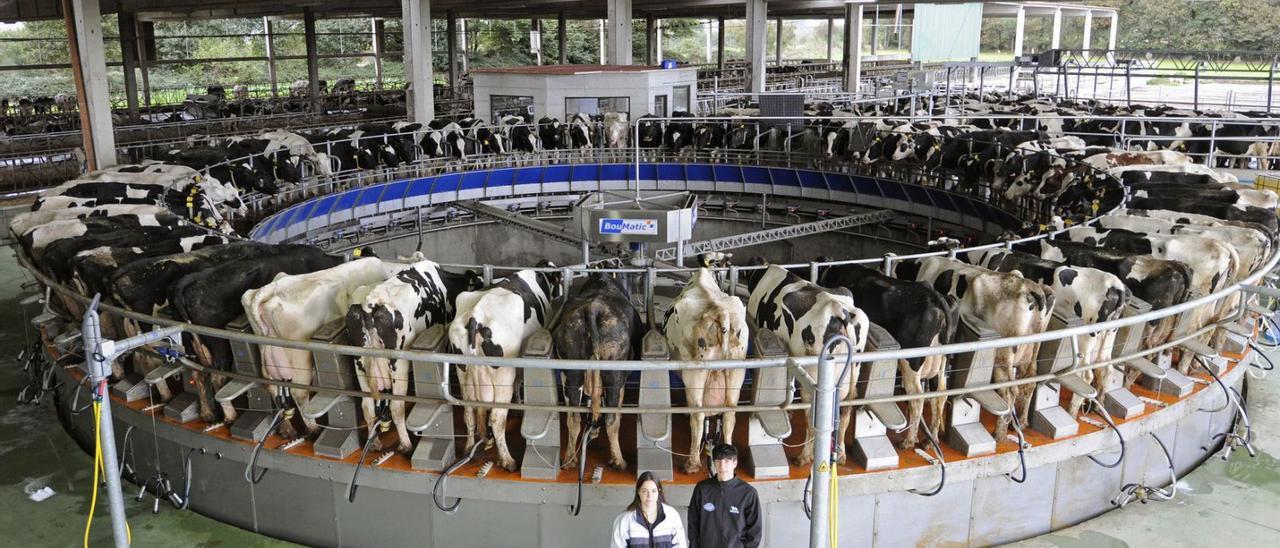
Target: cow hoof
209, 417
693, 466
376, 445
618, 465
803, 461
405, 448
840, 458
509, 465
907, 445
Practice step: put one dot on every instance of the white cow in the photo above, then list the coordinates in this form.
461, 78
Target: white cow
293, 307
705, 324
23, 223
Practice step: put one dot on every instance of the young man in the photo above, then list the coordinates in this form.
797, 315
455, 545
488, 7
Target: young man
724, 511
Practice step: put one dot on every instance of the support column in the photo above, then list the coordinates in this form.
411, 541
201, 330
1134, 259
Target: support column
535, 40
603, 49
417, 31
831, 32
379, 42
777, 43
1019, 29
83, 19
1111, 33
619, 45
129, 54
852, 47
561, 38
1056, 41
1088, 30
451, 46
657, 38
756, 19
146, 52
462, 43
271, 56
313, 62
706, 36
875, 31
720, 43
650, 42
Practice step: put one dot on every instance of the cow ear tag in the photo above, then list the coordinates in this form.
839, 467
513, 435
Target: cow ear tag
356, 253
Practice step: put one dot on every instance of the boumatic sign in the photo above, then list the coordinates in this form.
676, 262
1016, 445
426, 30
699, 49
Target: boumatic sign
645, 227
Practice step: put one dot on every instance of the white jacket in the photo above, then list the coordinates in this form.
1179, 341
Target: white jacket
630, 530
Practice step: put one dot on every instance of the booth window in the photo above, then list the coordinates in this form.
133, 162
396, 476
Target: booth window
660, 105
511, 105
681, 96
596, 106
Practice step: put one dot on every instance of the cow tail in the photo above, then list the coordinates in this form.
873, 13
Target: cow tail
473, 335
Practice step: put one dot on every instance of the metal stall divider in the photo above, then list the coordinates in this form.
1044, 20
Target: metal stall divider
653, 430
1173, 383
1055, 356
1117, 398
246, 359
767, 429
872, 449
433, 422
183, 407
334, 370
540, 429
967, 435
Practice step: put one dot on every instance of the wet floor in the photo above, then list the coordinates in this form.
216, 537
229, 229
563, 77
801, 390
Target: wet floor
1223, 503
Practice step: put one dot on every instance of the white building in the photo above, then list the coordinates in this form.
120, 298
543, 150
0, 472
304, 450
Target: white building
560, 91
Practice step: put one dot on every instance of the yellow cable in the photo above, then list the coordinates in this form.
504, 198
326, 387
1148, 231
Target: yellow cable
98, 465
833, 507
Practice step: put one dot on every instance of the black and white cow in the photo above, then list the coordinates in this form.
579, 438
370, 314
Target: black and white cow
1227, 212
1091, 294
495, 322
706, 324
549, 132
295, 306
579, 131
36, 239
805, 316
596, 322
1009, 303
916, 316
391, 316
211, 297
92, 268
24, 222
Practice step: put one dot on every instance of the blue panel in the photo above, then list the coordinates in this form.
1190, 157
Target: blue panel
499, 177
473, 179
616, 172
394, 191
918, 195
446, 183
893, 190
699, 172
839, 182
304, 212
756, 175
556, 174
287, 217
671, 172
529, 176
268, 228
785, 177
585, 173
323, 206
420, 187
811, 179
728, 174
941, 199
866, 186
648, 172
347, 199
370, 195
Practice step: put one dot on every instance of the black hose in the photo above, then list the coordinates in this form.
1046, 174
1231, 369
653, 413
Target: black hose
184, 501
1253, 363
576, 508
942, 462
127, 446
1225, 393
1022, 457
436, 496
804, 498
76, 396
1107, 417
351, 487
249, 471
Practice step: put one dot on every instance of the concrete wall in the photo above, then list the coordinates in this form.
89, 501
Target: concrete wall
549, 91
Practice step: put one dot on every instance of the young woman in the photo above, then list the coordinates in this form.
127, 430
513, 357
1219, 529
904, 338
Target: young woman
649, 521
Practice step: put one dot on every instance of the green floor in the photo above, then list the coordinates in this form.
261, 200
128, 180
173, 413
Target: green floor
1229, 503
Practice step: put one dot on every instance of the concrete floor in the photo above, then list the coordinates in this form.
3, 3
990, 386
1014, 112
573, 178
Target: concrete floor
1233, 501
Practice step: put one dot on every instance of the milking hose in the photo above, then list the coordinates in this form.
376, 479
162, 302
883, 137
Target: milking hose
249, 474
437, 488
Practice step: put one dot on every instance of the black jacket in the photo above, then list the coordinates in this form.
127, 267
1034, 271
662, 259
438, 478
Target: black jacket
724, 515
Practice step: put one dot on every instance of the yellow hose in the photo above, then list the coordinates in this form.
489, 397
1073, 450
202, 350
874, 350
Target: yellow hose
833, 507
98, 466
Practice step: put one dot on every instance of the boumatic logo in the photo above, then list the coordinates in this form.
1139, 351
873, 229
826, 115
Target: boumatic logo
647, 227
